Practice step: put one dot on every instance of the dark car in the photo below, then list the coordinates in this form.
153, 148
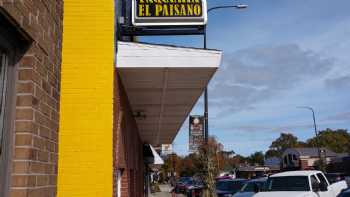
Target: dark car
194, 188
347, 179
227, 187
252, 187
223, 178
335, 177
345, 193
180, 186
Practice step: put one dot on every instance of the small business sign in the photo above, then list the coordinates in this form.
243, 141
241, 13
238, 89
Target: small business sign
196, 133
169, 12
167, 149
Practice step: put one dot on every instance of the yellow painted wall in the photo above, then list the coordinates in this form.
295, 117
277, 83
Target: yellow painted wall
86, 114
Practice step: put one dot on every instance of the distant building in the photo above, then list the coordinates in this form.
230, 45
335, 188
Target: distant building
250, 172
273, 163
306, 158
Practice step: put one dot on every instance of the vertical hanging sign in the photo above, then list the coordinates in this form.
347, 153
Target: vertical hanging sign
169, 12
196, 133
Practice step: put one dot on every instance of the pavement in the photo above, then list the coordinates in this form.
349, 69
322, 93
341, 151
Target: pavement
165, 192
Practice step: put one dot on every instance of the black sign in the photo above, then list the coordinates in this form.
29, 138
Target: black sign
169, 12
169, 8
196, 133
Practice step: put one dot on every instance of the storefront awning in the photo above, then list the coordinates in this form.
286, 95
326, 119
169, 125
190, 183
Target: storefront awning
151, 156
162, 84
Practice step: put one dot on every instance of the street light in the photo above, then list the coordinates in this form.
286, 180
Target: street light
316, 132
206, 126
239, 6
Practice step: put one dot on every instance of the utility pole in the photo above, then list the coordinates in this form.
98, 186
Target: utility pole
316, 137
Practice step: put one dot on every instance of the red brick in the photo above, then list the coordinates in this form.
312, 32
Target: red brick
27, 61
23, 181
18, 192
24, 140
25, 87
26, 101
24, 114
26, 74
25, 153
25, 126
20, 167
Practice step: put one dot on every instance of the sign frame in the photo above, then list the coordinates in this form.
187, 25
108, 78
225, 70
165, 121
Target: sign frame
167, 21
196, 137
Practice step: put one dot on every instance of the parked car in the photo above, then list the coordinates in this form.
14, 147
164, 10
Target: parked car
180, 186
228, 187
301, 184
194, 188
251, 188
347, 179
223, 177
345, 193
335, 177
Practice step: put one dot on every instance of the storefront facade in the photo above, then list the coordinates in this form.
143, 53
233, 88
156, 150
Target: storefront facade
77, 106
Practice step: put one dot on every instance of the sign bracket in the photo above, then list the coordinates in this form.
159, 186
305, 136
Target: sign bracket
127, 30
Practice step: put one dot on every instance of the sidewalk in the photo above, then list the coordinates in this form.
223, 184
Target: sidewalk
165, 192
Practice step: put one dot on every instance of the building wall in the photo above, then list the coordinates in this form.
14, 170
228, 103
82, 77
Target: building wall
289, 154
128, 152
86, 126
34, 152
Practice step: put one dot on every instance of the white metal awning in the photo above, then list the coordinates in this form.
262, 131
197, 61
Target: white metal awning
162, 84
157, 159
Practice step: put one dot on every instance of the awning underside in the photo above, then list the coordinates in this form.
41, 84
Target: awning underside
162, 84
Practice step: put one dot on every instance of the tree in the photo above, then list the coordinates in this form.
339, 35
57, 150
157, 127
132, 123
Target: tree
209, 157
335, 140
256, 158
226, 160
272, 153
285, 141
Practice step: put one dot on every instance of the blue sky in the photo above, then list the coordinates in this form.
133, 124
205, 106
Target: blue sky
278, 54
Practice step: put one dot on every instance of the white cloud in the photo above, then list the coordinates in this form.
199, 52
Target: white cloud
253, 75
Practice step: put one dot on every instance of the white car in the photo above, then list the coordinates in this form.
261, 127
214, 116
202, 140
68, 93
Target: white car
301, 184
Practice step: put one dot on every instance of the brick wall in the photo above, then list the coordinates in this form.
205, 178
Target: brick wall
34, 162
128, 147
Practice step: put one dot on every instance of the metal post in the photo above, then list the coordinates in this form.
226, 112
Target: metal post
316, 135
206, 123
206, 126
317, 140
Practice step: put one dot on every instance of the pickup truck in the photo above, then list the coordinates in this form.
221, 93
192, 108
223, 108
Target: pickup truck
301, 184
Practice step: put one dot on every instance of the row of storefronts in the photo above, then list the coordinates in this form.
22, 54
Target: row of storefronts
82, 111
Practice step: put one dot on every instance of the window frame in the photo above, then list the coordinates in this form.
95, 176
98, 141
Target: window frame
9, 45
14, 42
8, 119
313, 182
321, 178
3, 96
